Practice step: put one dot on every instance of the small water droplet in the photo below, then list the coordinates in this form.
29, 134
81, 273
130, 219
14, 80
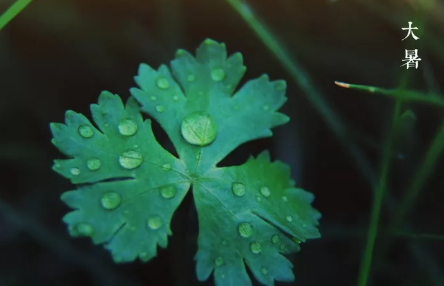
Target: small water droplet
265, 191
110, 200
275, 238
229, 86
225, 242
155, 222
85, 229
180, 52
255, 247
201, 93
160, 108
238, 189
166, 167
93, 164
218, 74
175, 98
283, 247
280, 85
168, 191
264, 270
187, 171
127, 127
284, 198
199, 129
153, 98
86, 131
222, 276
259, 199
236, 107
143, 256
198, 156
130, 159
266, 107
245, 229
75, 171
163, 83
191, 77
289, 218
219, 261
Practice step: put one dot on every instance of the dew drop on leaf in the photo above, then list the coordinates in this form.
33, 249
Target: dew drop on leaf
155, 222
245, 229
199, 129
130, 159
265, 191
259, 199
266, 107
284, 198
163, 83
85, 229
153, 98
191, 77
166, 167
160, 108
238, 189
255, 247
110, 200
275, 238
175, 98
289, 218
127, 127
264, 270
86, 131
218, 74
219, 261
93, 164
74, 171
168, 191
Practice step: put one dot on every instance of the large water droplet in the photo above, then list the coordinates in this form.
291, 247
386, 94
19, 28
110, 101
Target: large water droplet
130, 159
199, 129
93, 164
110, 200
163, 83
238, 189
74, 171
265, 191
255, 247
166, 167
191, 77
160, 108
264, 270
218, 74
219, 261
275, 238
168, 191
155, 222
86, 131
245, 229
127, 127
85, 229
289, 218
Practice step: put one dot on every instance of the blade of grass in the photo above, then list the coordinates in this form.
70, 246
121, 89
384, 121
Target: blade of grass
13, 11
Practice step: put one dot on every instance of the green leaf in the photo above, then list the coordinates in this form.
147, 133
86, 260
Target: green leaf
130, 186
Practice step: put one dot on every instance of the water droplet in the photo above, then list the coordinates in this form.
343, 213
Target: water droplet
130, 159
143, 256
266, 107
219, 261
191, 77
86, 131
175, 98
110, 200
75, 171
224, 242
222, 276
236, 107
259, 199
264, 270
238, 189
160, 108
280, 85
284, 198
218, 74
127, 127
155, 222
198, 156
199, 129
153, 98
275, 238
245, 229
255, 247
93, 164
85, 229
229, 86
265, 191
201, 93
168, 191
163, 83
166, 167
180, 52
289, 218
187, 171
283, 247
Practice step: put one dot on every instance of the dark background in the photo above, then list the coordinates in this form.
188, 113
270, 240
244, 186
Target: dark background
60, 54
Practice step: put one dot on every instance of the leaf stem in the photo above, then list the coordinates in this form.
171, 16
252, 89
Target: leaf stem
18, 6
